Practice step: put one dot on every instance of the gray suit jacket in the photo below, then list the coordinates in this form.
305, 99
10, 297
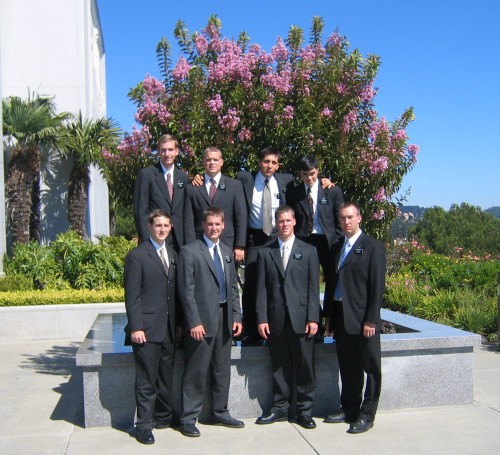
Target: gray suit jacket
296, 290
200, 289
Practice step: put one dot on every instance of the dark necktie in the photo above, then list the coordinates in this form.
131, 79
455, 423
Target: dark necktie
213, 189
170, 187
267, 214
221, 278
310, 218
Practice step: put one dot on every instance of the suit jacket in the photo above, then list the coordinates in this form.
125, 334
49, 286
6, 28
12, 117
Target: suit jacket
228, 197
200, 289
296, 289
150, 193
285, 185
150, 298
329, 201
363, 282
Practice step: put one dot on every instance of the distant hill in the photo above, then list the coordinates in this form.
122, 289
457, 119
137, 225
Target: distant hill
495, 211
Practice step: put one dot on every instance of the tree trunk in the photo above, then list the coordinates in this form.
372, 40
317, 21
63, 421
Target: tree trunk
78, 186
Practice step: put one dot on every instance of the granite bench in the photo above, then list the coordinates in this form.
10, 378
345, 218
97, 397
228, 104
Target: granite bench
425, 364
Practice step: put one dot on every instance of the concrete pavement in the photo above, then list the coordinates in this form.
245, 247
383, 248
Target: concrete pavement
41, 414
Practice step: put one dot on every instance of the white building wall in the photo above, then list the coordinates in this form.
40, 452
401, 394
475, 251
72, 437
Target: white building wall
55, 48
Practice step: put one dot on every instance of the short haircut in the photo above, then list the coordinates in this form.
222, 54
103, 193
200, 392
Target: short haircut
213, 211
347, 204
167, 138
308, 163
158, 213
283, 209
211, 149
269, 151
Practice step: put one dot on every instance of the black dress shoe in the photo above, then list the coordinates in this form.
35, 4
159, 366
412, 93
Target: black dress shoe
360, 426
336, 417
278, 416
228, 421
306, 421
189, 429
145, 436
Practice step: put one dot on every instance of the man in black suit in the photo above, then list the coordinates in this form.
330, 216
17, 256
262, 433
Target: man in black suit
161, 186
220, 191
288, 317
353, 298
261, 225
211, 306
150, 302
316, 211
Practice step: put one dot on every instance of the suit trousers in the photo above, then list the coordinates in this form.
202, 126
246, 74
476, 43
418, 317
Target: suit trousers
357, 355
292, 358
154, 372
211, 354
256, 239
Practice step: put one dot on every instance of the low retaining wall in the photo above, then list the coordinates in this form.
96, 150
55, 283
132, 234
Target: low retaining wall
52, 322
431, 366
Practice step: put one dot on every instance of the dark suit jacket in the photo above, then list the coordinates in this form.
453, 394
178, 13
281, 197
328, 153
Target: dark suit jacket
150, 193
150, 293
229, 197
329, 201
363, 281
285, 185
296, 289
199, 295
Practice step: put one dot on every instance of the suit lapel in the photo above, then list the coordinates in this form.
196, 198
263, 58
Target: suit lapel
162, 184
220, 193
359, 242
281, 188
153, 254
177, 190
295, 252
204, 193
208, 259
276, 257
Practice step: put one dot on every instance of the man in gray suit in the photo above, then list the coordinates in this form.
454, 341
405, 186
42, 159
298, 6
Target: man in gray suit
211, 306
161, 186
288, 318
151, 311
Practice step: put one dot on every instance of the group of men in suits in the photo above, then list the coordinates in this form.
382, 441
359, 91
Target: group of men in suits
243, 219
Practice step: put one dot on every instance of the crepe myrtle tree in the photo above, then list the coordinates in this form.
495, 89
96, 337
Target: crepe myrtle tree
314, 97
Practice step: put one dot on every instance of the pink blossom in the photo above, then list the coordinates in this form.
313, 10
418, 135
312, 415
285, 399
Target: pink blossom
379, 165
245, 134
201, 44
400, 135
281, 82
287, 113
181, 69
269, 104
378, 215
334, 40
230, 121
216, 104
135, 144
380, 195
279, 51
187, 150
367, 94
413, 150
153, 87
326, 112
341, 89
350, 120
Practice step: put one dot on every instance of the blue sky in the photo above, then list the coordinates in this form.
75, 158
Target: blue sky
440, 56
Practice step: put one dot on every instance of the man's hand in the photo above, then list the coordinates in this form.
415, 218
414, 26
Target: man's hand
239, 254
138, 336
197, 180
369, 329
237, 328
325, 183
197, 333
311, 329
263, 330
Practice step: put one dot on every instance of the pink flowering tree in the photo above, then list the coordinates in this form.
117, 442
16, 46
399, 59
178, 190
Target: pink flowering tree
314, 97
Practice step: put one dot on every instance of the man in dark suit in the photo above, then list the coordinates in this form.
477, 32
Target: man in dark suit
161, 186
261, 226
149, 282
316, 211
211, 306
288, 317
353, 298
217, 191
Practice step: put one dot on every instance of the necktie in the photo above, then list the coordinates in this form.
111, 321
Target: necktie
170, 187
310, 218
267, 215
164, 259
213, 189
221, 278
343, 255
285, 254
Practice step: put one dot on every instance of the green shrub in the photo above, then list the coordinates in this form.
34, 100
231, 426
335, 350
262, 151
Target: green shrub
476, 312
15, 283
55, 297
402, 293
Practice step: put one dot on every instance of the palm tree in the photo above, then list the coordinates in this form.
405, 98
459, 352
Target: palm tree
30, 127
83, 140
